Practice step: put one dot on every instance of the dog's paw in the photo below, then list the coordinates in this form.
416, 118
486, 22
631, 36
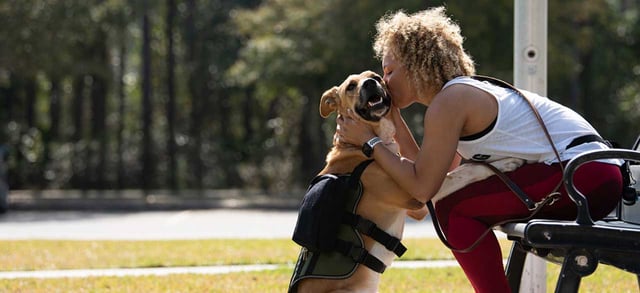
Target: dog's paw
508, 164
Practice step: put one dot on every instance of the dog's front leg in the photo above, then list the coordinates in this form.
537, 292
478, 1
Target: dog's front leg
418, 214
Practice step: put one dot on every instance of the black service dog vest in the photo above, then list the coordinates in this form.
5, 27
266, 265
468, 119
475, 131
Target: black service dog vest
327, 229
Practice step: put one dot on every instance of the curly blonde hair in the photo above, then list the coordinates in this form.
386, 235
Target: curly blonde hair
428, 44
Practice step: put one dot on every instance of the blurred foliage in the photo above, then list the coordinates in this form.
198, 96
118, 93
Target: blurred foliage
247, 78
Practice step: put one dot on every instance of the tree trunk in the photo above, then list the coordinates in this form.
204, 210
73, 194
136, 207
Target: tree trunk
54, 108
311, 147
121, 107
195, 144
30, 98
248, 115
77, 163
147, 143
51, 135
98, 131
171, 96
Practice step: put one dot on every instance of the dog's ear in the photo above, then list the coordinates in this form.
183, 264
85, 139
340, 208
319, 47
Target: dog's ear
329, 102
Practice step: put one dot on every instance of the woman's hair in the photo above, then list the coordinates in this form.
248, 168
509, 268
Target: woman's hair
428, 44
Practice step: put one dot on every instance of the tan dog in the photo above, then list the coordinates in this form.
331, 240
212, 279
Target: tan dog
383, 201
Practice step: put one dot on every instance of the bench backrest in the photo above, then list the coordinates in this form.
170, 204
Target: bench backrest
631, 213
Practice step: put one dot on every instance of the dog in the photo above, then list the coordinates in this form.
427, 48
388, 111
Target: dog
383, 201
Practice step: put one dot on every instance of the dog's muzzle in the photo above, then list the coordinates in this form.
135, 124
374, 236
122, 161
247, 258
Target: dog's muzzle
373, 101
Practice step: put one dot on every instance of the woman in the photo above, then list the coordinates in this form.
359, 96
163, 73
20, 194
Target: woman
424, 62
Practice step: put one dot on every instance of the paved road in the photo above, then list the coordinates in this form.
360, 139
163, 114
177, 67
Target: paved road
185, 224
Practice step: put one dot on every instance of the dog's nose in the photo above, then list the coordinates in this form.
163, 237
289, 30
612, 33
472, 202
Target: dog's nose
369, 83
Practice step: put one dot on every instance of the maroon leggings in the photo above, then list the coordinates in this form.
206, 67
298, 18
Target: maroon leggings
467, 213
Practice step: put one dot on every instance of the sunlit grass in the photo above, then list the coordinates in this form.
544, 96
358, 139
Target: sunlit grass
57, 254
52, 254
451, 279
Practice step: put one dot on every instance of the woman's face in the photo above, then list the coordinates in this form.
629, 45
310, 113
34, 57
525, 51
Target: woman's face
395, 76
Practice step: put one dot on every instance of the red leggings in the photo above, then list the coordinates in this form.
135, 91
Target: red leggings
467, 213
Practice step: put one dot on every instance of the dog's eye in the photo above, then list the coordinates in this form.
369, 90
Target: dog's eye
351, 86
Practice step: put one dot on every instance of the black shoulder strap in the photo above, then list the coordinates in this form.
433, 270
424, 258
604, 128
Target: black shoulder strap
354, 179
320, 177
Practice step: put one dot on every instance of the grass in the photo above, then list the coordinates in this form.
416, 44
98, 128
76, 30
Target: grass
18, 255
54, 254
51, 254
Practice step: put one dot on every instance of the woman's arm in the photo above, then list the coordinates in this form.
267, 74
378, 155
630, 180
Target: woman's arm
408, 146
404, 137
422, 177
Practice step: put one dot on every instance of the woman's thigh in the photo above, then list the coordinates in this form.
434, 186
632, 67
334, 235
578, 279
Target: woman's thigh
492, 201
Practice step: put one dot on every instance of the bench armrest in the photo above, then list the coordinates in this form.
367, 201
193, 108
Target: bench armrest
584, 218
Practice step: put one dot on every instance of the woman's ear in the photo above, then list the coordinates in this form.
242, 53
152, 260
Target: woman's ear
329, 102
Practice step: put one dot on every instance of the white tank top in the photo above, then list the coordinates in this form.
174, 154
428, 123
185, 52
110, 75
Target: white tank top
517, 132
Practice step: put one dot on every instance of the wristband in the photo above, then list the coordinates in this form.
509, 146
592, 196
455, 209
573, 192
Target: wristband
367, 147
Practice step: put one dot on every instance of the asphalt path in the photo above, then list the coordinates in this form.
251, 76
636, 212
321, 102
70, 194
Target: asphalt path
151, 225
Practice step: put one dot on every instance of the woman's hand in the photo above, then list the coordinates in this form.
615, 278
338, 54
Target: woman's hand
352, 130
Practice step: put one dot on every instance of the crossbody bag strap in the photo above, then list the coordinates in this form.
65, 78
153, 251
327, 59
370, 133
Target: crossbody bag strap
505, 84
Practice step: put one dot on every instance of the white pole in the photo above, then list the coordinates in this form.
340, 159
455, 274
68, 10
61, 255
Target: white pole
530, 73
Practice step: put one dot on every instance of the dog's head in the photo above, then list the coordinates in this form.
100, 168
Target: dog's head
365, 94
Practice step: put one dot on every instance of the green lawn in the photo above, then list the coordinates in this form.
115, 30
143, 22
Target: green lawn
41, 254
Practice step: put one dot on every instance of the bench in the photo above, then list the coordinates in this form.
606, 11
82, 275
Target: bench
580, 245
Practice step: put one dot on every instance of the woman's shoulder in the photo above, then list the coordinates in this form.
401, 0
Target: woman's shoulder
468, 80
477, 107
463, 92
464, 101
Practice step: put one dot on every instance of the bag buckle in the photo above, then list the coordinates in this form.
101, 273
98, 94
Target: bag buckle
547, 200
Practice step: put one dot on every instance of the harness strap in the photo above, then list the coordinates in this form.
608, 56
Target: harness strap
360, 255
354, 179
369, 228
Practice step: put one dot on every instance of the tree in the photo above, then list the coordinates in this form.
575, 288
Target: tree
148, 166
171, 95
293, 51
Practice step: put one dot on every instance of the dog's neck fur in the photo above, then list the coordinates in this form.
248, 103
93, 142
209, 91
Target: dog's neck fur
384, 129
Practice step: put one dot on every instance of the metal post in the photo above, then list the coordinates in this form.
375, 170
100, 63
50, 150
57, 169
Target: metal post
530, 73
